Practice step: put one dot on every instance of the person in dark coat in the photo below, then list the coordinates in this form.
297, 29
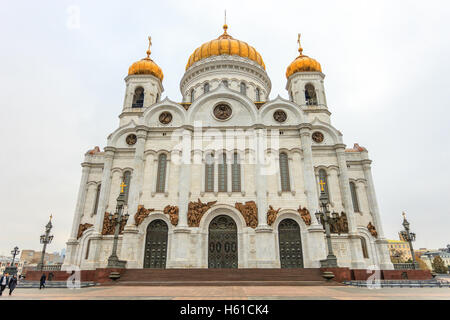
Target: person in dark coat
12, 284
42, 281
4, 280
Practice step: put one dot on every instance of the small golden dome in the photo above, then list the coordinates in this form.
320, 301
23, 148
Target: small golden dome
302, 63
225, 44
146, 65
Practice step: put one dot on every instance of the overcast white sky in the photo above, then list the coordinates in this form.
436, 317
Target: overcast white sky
61, 91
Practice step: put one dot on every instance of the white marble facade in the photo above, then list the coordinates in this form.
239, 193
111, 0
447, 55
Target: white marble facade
252, 132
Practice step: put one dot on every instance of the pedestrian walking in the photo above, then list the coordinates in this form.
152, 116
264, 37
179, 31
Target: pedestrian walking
42, 281
12, 284
4, 280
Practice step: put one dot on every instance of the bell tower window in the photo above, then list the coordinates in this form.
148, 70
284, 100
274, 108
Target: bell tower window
206, 87
310, 95
243, 88
192, 95
258, 95
138, 98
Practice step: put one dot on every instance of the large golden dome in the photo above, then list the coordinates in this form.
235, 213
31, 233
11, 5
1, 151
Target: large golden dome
225, 44
146, 65
303, 63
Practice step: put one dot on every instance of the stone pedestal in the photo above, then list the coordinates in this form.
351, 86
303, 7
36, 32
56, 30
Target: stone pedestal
383, 255
71, 249
314, 247
266, 248
178, 253
129, 247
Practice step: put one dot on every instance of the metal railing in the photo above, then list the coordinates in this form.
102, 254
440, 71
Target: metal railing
406, 266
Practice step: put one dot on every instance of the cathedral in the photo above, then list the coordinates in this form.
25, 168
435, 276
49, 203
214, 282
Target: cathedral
226, 178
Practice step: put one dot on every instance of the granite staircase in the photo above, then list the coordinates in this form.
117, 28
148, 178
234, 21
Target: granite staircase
222, 277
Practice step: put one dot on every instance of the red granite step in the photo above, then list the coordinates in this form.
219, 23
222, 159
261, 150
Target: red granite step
218, 277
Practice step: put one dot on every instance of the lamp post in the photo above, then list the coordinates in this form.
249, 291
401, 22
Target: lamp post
118, 218
12, 269
324, 215
46, 239
409, 237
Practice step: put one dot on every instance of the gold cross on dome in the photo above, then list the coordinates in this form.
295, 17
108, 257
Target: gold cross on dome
300, 49
149, 45
321, 185
122, 185
51, 216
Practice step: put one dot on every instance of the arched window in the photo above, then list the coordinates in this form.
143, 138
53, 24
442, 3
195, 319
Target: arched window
284, 172
157, 97
310, 95
364, 248
225, 83
138, 98
323, 179
126, 180
192, 95
97, 195
206, 87
236, 173
223, 173
243, 88
354, 197
258, 95
161, 175
209, 173
291, 97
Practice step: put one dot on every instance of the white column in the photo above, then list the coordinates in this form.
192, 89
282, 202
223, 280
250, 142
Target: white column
137, 178
373, 204
315, 243
105, 188
184, 180
308, 172
355, 245
261, 177
229, 172
381, 242
80, 201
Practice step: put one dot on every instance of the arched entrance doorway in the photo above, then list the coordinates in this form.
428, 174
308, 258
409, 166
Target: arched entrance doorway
290, 244
156, 245
222, 243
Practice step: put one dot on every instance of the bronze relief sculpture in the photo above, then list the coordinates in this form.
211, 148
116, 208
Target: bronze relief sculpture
372, 230
165, 117
109, 227
318, 137
131, 139
272, 215
141, 214
249, 211
196, 210
82, 228
172, 211
304, 214
222, 111
280, 116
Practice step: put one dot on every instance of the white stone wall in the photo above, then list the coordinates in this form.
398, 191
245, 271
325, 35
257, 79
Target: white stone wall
187, 247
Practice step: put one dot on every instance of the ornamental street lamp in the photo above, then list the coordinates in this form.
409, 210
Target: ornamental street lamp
46, 238
409, 237
327, 218
12, 269
117, 219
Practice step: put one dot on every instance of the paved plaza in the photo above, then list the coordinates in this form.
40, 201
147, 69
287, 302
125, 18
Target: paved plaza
230, 292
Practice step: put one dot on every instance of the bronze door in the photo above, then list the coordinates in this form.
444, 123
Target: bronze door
222, 243
290, 244
156, 245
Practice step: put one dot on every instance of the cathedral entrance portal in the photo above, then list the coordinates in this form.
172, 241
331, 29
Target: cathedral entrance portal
156, 245
222, 243
290, 244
